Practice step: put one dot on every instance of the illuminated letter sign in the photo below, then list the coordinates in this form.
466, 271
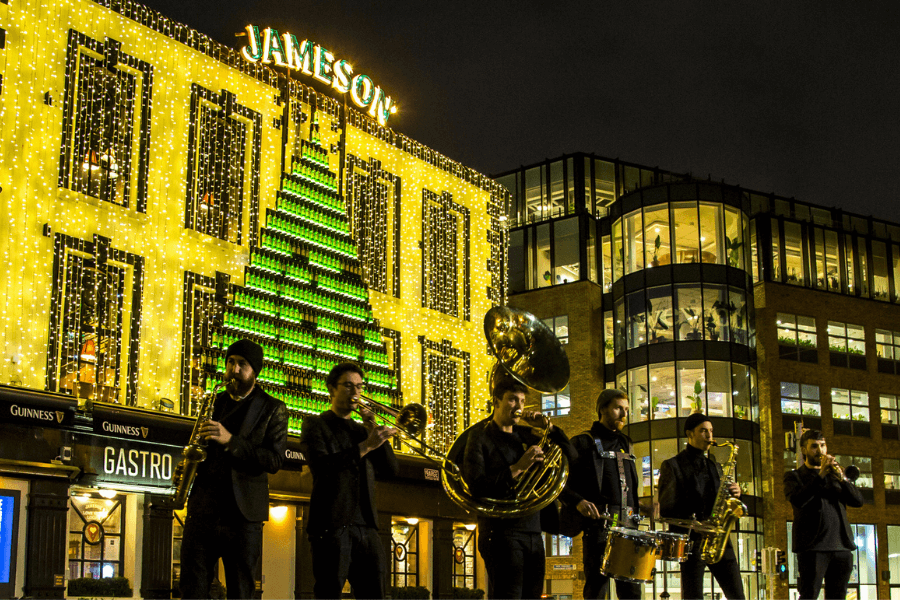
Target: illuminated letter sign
283, 50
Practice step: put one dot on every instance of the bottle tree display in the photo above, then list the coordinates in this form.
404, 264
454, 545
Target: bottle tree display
303, 299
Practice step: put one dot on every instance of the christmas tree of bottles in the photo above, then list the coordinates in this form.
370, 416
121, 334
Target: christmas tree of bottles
304, 300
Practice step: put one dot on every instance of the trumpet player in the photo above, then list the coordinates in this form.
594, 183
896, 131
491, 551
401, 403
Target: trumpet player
822, 539
229, 499
343, 519
688, 486
496, 456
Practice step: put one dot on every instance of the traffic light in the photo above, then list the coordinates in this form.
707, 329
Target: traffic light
781, 568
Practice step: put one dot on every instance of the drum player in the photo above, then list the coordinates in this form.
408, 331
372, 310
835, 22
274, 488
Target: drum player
497, 455
688, 486
603, 482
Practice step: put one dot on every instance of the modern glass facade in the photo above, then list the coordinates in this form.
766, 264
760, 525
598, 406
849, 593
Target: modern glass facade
761, 311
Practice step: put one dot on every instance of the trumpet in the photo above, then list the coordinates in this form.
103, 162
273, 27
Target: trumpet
851, 473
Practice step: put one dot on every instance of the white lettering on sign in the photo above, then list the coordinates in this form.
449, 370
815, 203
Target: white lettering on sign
432, 474
31, 413
293, 454
137, 463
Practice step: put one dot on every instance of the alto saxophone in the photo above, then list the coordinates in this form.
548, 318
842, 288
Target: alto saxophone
725, 514
194, 453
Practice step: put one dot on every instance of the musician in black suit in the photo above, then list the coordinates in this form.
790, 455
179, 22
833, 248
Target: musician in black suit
688, 486
603, 480
343, 519
230, 496
497, 454
823, 541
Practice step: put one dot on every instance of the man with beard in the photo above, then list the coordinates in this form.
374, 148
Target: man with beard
603, 481
230, 496
822, 539
497, 455
688, 486
343, 519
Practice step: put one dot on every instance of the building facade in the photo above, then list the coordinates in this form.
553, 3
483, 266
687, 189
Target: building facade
167, 195
760, 311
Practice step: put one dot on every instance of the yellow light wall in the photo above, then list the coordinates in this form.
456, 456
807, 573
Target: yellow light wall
34, 64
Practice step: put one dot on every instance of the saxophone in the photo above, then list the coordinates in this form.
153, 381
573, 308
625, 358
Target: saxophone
194, 453
725, 514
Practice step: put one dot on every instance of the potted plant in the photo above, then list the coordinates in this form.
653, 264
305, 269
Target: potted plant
733, 249
693, 323
695, 398
656, 245
656, 322
712, 328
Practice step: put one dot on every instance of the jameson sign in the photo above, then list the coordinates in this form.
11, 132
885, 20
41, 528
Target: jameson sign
307, 57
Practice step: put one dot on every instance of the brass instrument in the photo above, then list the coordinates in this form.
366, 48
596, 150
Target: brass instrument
527, 349
194, 453
726, 512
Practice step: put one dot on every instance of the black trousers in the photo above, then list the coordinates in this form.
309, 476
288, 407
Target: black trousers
205, 541
597, 585
351, 553
514, 562
727, 573
834, 568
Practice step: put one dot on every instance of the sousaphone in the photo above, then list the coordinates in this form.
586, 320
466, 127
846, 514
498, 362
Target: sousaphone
528, 351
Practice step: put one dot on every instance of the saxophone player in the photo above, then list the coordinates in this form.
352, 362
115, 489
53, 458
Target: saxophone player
230, 496
819, 493
688, 485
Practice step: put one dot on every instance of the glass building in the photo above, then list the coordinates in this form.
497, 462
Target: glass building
757, 310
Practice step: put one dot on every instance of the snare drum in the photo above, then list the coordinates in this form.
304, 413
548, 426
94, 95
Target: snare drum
673, 546
630, 555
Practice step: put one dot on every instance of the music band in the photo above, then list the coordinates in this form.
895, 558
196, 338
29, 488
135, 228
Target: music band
509, 469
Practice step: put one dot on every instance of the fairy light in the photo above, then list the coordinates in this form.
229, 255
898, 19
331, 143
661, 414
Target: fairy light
112, 165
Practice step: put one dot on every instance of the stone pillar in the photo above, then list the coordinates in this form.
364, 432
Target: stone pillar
384, 532
156, 550
303, 573
442, 559
47, 538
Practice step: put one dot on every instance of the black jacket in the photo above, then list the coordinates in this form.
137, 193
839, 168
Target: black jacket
680, 495
488, 455
255, 450
807, 492
586, 472
336, 468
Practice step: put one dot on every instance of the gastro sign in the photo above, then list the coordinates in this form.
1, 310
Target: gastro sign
135, 463
284, 50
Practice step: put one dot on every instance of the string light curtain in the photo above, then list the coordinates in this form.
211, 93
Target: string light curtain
102, 84
445, 228
88, 330
445, 391
373, 197
217, 164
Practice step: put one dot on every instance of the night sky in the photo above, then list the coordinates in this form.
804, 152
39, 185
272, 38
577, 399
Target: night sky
798, 97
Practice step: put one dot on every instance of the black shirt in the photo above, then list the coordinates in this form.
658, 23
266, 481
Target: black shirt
213, 493
343, 428
706, 481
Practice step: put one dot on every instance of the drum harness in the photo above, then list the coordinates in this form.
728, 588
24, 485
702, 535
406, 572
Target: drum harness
620, 458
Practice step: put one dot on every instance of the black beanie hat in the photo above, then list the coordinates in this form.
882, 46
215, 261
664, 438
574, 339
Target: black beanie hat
250, 350
694, 420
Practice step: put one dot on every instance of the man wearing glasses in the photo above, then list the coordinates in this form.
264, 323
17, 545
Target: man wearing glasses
343, 457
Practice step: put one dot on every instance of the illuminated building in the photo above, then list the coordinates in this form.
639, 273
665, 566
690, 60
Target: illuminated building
755, 309
166, 195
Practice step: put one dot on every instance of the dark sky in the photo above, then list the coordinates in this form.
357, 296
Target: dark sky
798, 97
